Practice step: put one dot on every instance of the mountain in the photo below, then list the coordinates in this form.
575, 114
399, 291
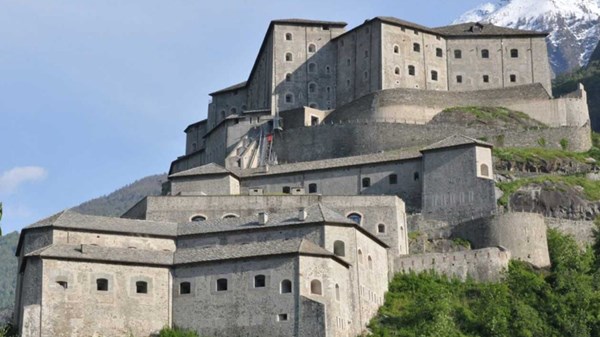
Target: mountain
572, 24
113, 204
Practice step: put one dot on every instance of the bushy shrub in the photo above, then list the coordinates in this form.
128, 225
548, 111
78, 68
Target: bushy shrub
176, 332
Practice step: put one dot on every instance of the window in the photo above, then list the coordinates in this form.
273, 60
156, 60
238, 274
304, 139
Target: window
141, 287
434, 75
366, 182
328, 89
312, 188
397, 70
315, 287
416, 32
365, 75
312, 48
282, 317
348, 62
102, 284
312, 67
63, 284
288, 36
459, 79
514, 53
337, 292
513, 78
222, 114
439, 52
370, 261
222, 284
185, 288
485, 170
360, 256
411, 70
289, 98
233, 110
381, 228
416, 47
416, 176
393, 179
286, 189
347, 83
458, 54
289, 57
355, 217
366, 53
288, 77
486, 79
259, 281
286, 287
194, 146
396, 49
325, 27
339, 248
312, 87
198, 218
327, 69
485, 54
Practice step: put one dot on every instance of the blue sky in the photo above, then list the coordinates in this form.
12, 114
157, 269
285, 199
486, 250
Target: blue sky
95, 94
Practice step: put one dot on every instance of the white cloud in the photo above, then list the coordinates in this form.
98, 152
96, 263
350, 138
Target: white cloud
11, 180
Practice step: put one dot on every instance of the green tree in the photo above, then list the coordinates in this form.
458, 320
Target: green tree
0, 219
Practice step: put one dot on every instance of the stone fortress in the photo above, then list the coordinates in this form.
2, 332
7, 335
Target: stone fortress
290, 210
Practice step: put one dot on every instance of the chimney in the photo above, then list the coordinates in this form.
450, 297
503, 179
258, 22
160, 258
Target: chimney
302, 214
263, 218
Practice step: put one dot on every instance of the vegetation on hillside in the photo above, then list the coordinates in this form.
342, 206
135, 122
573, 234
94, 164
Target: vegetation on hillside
561, 301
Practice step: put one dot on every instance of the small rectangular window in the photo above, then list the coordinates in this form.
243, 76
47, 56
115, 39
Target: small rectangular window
459, 79
458, 54
514, 53
366, 182
141, 287
434, 75
486, 79
416, 47
393, 179
513, 78
185, 288
222, 284
286, 189
439, 52
282, 317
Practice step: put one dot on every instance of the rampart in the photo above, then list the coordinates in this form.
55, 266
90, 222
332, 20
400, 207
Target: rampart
482, 265
420, 106
352, 138
524, 234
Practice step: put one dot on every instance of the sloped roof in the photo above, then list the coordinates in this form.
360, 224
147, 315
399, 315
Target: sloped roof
252, 249
295, 21
454, 141
208, 169
73, 220
399, 22
477, 29
105, 254
234, 87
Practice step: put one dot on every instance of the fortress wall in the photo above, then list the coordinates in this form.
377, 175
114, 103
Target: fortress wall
581, 230
482, 265
356, 138
67, 237
29, 305
524, 234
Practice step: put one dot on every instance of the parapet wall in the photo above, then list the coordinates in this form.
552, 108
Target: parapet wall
363, 137
482, 265
524, 234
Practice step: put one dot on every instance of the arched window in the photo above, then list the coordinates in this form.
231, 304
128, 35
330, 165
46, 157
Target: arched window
360, 256
439, 52
416, 176
230, 216
411, 70
355, 217
370, 262
485, 170
514, 53
485, 54
259, 281
397, 70
185, 288
222, 284
288, 77
366, 182
337, 292
312, 67
141, 287
381, 228
289, 98
288, 36
289, 57
312, 188
315, 287
396, 49
393, 179
312, 48
339, 248
434, 75
198, 218
286, 287
312, 87
416, 47
233, 110
102, 284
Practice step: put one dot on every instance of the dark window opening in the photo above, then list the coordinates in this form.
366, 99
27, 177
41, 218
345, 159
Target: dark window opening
63, 284
312, 48
289, 57
282, 317
312, 67
141, 287
411, 70
286, 286
459, 79
366, 182
185, 288
416, 176
439, 52
312, 88
434, 75
514, 53
289, 98
485, 54
396, 49
288, 77
416, 47
486, 79
366, 53
458, 54
198, 218
485, 170
355, 217
315, 287
286, 189
102, 284
397, 71
222, 284
381, 228
259, 281
513, 78
339, 248
288, 36
312, 188
393, 179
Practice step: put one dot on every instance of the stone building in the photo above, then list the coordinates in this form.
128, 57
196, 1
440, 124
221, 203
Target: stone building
289, 212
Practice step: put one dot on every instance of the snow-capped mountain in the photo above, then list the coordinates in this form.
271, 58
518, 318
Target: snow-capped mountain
572, 24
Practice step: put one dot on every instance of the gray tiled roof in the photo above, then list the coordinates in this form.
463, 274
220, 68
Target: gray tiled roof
315, 214
455, 140
475, 29
106, 254
237, 86
309, 22
404, 23
382, 157
73, 220
208, 169
249, 250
